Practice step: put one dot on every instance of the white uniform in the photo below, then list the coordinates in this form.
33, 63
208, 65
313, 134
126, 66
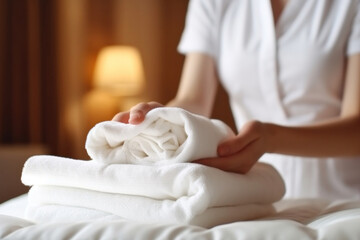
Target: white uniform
291, 74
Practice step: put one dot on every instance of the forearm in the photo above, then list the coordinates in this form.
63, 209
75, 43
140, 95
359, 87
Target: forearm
190, 106
198, 85
339, 137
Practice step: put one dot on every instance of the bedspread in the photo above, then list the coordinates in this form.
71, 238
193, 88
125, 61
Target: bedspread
311, 219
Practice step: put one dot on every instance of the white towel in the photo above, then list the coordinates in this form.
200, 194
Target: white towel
176, 193
166, 136
73, 205
48, 213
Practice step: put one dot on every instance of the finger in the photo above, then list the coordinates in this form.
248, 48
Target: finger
234, 145
122, 117
138, 112
227, 164
240, 162
248, 157
247, 135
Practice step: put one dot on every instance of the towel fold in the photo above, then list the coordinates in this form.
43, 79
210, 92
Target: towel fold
72, 205
177, 193
167, 135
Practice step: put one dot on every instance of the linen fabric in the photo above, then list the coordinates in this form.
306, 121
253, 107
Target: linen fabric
311, 219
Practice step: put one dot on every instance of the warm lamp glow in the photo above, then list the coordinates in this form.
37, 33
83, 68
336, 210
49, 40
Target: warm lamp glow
119, 70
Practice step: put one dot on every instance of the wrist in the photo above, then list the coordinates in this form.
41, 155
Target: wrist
270, 137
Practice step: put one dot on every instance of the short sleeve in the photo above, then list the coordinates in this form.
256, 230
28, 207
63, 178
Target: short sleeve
353, 45
199, 34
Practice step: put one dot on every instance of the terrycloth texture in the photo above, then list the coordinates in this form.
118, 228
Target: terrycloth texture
95, 205
176, 193
48, 213
166, 136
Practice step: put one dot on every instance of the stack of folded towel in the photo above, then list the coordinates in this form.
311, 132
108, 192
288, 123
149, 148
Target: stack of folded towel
143, 173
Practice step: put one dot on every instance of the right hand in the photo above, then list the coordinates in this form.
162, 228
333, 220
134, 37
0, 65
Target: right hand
137, 113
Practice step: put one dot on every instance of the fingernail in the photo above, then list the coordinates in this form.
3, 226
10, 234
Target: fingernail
133, 117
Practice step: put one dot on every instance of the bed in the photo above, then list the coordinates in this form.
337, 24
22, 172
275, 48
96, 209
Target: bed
294, 219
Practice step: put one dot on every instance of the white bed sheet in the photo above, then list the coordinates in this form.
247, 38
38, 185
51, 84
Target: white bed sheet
296, 219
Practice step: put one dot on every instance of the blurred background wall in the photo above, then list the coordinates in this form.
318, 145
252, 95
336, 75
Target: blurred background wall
48, 51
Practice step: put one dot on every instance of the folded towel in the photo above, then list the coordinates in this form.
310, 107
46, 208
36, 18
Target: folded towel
177, 193
167, 135
48, 213
58, 204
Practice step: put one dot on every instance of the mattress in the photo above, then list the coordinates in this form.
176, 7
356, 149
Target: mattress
294, 219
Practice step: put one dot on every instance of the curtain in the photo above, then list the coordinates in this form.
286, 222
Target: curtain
47, 53
28, 105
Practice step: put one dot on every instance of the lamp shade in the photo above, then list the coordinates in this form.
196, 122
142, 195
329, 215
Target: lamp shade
119, 69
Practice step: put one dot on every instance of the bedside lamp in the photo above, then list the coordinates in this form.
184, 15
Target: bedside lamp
119, 71
118, 78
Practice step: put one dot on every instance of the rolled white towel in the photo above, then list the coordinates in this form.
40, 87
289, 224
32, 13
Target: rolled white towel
166, 136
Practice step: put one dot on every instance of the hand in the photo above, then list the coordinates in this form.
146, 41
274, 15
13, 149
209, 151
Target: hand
137, 113
240, 153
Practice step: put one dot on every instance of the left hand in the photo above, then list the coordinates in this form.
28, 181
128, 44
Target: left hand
240, 153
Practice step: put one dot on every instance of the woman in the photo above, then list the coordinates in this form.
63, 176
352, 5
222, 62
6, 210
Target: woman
292, 72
